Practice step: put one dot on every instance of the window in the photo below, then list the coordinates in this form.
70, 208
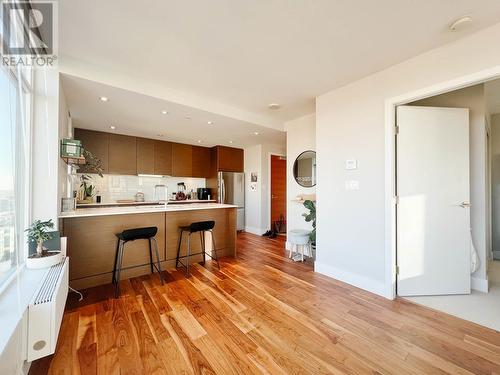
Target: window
15, 141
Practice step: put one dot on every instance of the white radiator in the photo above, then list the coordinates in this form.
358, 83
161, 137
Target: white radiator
46, 310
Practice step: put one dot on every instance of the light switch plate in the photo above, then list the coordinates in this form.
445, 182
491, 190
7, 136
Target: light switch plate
351, 164
352, 185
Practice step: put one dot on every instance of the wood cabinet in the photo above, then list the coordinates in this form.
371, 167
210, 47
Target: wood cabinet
182, 156
201, 162
97, 143
145, 156
229, 159
122, 157
122, 154
163, 158
92, 242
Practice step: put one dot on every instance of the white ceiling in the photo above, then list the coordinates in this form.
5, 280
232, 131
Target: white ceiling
247, 54
140, 115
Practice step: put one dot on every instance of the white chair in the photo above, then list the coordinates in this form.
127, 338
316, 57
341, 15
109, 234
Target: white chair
299, 237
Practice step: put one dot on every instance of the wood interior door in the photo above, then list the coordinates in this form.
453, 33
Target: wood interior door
278, 188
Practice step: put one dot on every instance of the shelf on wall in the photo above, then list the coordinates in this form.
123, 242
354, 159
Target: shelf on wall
73, 160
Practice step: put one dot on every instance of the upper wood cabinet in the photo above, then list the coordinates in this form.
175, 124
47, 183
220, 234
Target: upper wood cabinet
145, 156
229, 159
95, 142
122, 154
182, 156
163, 158
201, 162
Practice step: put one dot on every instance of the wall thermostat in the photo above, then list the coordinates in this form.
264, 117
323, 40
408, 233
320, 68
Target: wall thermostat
351, 164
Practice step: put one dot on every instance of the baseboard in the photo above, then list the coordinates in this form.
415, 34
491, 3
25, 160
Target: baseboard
481, 285
253, 230
496, 254
358, 281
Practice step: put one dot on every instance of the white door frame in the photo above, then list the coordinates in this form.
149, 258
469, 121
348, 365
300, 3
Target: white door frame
269, 154
390, 159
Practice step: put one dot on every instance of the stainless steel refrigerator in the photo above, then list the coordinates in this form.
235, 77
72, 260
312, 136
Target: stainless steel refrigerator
231, 190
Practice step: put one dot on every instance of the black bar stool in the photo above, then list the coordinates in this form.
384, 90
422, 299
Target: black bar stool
201, 227
128, 235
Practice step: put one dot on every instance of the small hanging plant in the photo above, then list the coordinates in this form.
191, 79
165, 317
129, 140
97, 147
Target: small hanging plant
94, 165
39, 233
311, 217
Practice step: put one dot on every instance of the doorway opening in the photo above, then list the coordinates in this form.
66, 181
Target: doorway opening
278, 195
447, 183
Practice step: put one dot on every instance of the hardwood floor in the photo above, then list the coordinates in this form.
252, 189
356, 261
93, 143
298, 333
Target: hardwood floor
261, 313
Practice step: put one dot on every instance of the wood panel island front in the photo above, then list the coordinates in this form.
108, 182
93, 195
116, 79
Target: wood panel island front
92, 241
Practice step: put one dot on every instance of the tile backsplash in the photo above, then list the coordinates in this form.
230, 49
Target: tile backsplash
114, 187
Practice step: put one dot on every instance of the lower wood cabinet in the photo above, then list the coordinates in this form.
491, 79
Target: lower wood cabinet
92, 242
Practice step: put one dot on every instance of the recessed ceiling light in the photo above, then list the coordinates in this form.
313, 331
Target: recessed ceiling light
255, 133
199, 140
164, 112
112, 127
274, 106
459, 23
210, 122
103, 98
231, 142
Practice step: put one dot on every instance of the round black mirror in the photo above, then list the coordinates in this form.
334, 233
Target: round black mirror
304, 169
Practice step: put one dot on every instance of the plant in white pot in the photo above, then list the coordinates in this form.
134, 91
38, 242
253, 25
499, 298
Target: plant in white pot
38, 233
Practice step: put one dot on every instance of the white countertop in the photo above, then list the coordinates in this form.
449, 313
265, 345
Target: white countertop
150, 203
171, 207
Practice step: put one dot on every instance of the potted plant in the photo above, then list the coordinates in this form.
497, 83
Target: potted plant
38, 233
311, 217
93, 165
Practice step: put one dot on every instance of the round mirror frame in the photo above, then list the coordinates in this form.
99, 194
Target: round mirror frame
294, 169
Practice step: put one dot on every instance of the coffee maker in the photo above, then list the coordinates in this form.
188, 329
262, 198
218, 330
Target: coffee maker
204, 194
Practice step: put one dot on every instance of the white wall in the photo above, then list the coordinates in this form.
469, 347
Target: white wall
64, 125
300, 137
495, 183
45, 153
253, 198
257, 203
473, 99
350, 123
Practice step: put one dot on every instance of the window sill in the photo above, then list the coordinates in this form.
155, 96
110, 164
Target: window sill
14, 300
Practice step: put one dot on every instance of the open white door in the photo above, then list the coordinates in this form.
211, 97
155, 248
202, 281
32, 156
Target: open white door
433, 225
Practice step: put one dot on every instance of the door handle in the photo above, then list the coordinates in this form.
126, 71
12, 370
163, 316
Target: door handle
464, 205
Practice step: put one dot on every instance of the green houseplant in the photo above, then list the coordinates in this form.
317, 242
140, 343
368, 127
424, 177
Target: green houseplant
311, 217
92, 165
38, 233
